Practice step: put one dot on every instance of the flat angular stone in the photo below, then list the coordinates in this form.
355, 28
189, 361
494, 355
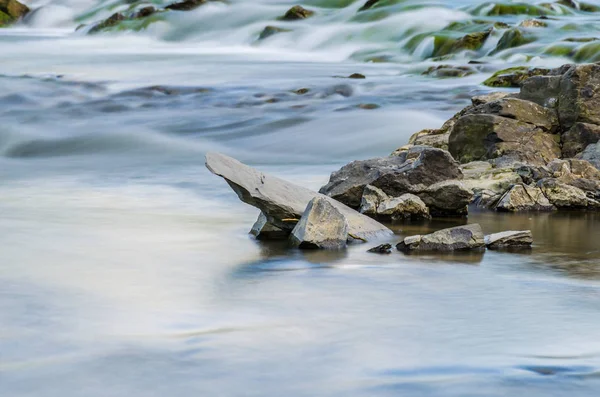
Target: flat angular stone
322, 226
264, 230
282, 202
461, 238
523, 198
509, 239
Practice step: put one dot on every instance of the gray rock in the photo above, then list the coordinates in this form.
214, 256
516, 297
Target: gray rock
371, 199
488, 183
591, 154
485, 136
381, 249
411, 171
563, 195
519, 109
491, 97
407, 206
579, 137
461, 238
579, 98
264, 230
543, 90
522, 198
434, 138
322, 226
282, 202
509, 239
447, 198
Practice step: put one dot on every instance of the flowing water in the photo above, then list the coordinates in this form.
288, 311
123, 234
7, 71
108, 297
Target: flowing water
126, 268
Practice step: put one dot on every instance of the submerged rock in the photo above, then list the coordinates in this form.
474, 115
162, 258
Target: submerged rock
264, 230
381, 249
322, 226
296, 13
188, 5
449, 71
282, 202
513, 38
471, 42
369, 4
509, 239
459, 238
269, 31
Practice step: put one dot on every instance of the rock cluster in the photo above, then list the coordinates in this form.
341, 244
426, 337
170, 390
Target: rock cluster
536, 150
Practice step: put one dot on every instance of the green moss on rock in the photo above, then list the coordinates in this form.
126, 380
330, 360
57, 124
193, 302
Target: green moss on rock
588, 52
269, 31
513, 77
446, 44
499, 9
296, 13
513, 38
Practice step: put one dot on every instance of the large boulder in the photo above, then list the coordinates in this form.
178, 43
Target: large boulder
282, 202
488, 183
407, 206
488, 136
459, 238
412, 171
322, 226
509, 239
11, 11
447, 198
563, 195
579, 97
591, 154
519, 109
523, 198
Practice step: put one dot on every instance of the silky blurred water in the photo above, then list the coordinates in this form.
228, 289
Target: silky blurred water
126, 268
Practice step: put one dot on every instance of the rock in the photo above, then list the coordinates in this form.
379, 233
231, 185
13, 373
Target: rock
519, 109
283, 202
485, 136
434, 138
357, 76
579, 137
296, 13
542, 90
410, 172
488, 183
447, 198
491, 97
591, 154
579, 97
449, 45
188, 5
513, 38
11, 11
461, 238
109, 22
264, 230
449, 71
578, 173
533, 23
513, 77
407, 206
269, 31
509, 239
372, 197
322, 226
563, 195
523, 198
144, 12
381, 249
369, 4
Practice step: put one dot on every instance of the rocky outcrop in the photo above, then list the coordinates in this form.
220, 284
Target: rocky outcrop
524, 198
509, 239
282, 202
264, 230
322, 226
11, 11
447, 198
412, 171
565, 196
579, 137
459, 238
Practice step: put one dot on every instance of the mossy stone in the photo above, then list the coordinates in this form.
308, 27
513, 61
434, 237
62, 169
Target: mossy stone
296, 13
269, 31
513, 38
499, 9
513, 77
444, 45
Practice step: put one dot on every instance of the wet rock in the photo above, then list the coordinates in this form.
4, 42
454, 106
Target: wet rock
411, 172
381, 249
523, 198
449, 71
368, 106
513, 77
518, 109
447, 198
498, 9
372, 197
322, 226
11, 11
357, 76
461, 238
264, 230
478, 137
109, 22
296, 13
144, 12
434, 138
579, 137
591, 154
282, 202
533, 23
513, 38
563, 195
509, 239
448, 45
188, 5
578, 173
407, 206
369, 4
269, 31
579, 98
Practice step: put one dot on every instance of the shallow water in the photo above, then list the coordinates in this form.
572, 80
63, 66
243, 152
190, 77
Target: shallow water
126, 268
